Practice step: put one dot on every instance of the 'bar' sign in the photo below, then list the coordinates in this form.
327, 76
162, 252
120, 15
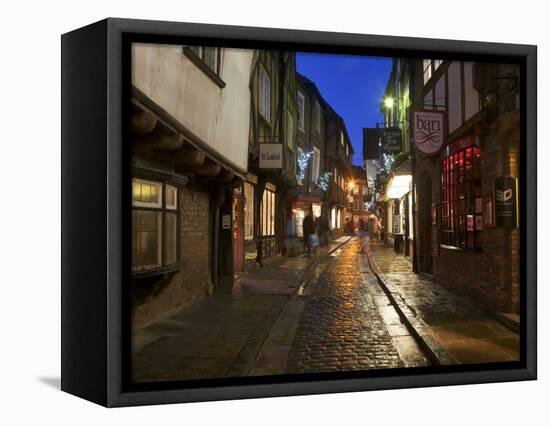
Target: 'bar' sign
428, 131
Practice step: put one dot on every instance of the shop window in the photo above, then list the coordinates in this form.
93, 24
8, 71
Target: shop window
461, 194
154, 225
248, 211
299, 216
316, 209
267, 213
265, 95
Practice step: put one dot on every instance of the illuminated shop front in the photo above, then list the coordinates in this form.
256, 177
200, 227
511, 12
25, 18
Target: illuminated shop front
399, 210
299, 207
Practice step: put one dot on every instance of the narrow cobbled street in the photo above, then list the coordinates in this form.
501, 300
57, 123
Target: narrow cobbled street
342, 327
336, 319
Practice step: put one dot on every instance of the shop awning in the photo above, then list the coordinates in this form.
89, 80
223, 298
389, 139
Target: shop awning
401, 181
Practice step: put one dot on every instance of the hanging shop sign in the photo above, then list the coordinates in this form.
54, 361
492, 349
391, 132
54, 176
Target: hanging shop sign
371, 143
428, 131
391, 140
505, 196
271, 156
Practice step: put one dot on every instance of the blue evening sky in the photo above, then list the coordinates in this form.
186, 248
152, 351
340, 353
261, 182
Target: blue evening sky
352, 85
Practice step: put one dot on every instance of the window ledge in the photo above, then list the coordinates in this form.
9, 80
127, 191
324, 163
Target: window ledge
466, 250
192, 56
165, 270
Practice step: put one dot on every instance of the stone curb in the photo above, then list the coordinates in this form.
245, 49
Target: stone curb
436, 353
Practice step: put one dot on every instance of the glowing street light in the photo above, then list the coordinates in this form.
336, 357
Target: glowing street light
388, 102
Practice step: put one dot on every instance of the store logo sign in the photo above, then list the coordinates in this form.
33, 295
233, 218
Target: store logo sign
504, 195
506, 202
428, 131
271, 156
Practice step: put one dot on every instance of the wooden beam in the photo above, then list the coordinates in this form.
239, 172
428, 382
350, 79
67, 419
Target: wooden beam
207, 169
225, 176
159, 140
189, 156
143, 121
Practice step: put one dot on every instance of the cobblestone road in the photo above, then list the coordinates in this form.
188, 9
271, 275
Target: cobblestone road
341, 327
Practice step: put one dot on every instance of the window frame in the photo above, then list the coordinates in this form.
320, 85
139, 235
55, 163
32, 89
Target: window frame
196, 55
249, 206
460, 188
290, 134
262, 102
267, 215
315, 164
317, 116
164, 210
299, 153
301, 111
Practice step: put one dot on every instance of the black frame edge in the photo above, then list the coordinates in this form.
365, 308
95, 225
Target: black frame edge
83, 213
530, 191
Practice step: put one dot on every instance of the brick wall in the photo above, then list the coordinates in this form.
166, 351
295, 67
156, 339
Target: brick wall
490, 277
159, 296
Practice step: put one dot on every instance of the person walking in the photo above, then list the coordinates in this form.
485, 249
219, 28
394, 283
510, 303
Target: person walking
361, 232
324, 230
308, 226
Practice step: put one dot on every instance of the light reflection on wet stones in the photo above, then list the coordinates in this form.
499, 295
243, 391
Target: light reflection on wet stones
341, 328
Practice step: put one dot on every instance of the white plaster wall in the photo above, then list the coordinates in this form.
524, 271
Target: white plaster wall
455, 97
471, 97
219, 117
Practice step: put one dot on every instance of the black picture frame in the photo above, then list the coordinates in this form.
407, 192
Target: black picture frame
95, 254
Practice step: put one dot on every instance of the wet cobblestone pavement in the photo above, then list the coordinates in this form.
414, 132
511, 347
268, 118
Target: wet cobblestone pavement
341, 327
456, 330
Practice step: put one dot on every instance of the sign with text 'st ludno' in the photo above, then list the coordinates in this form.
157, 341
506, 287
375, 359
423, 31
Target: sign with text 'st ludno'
506, 193
428, 131
271, 156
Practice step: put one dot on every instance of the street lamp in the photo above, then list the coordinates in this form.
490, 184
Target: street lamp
388, 102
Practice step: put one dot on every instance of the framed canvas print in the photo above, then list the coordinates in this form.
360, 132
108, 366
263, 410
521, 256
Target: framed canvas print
252, 212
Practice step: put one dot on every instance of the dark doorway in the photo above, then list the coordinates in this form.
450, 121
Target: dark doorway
428, 228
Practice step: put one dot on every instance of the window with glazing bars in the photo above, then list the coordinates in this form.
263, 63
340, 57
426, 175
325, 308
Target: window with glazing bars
208, 55
461, 194
154, 225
